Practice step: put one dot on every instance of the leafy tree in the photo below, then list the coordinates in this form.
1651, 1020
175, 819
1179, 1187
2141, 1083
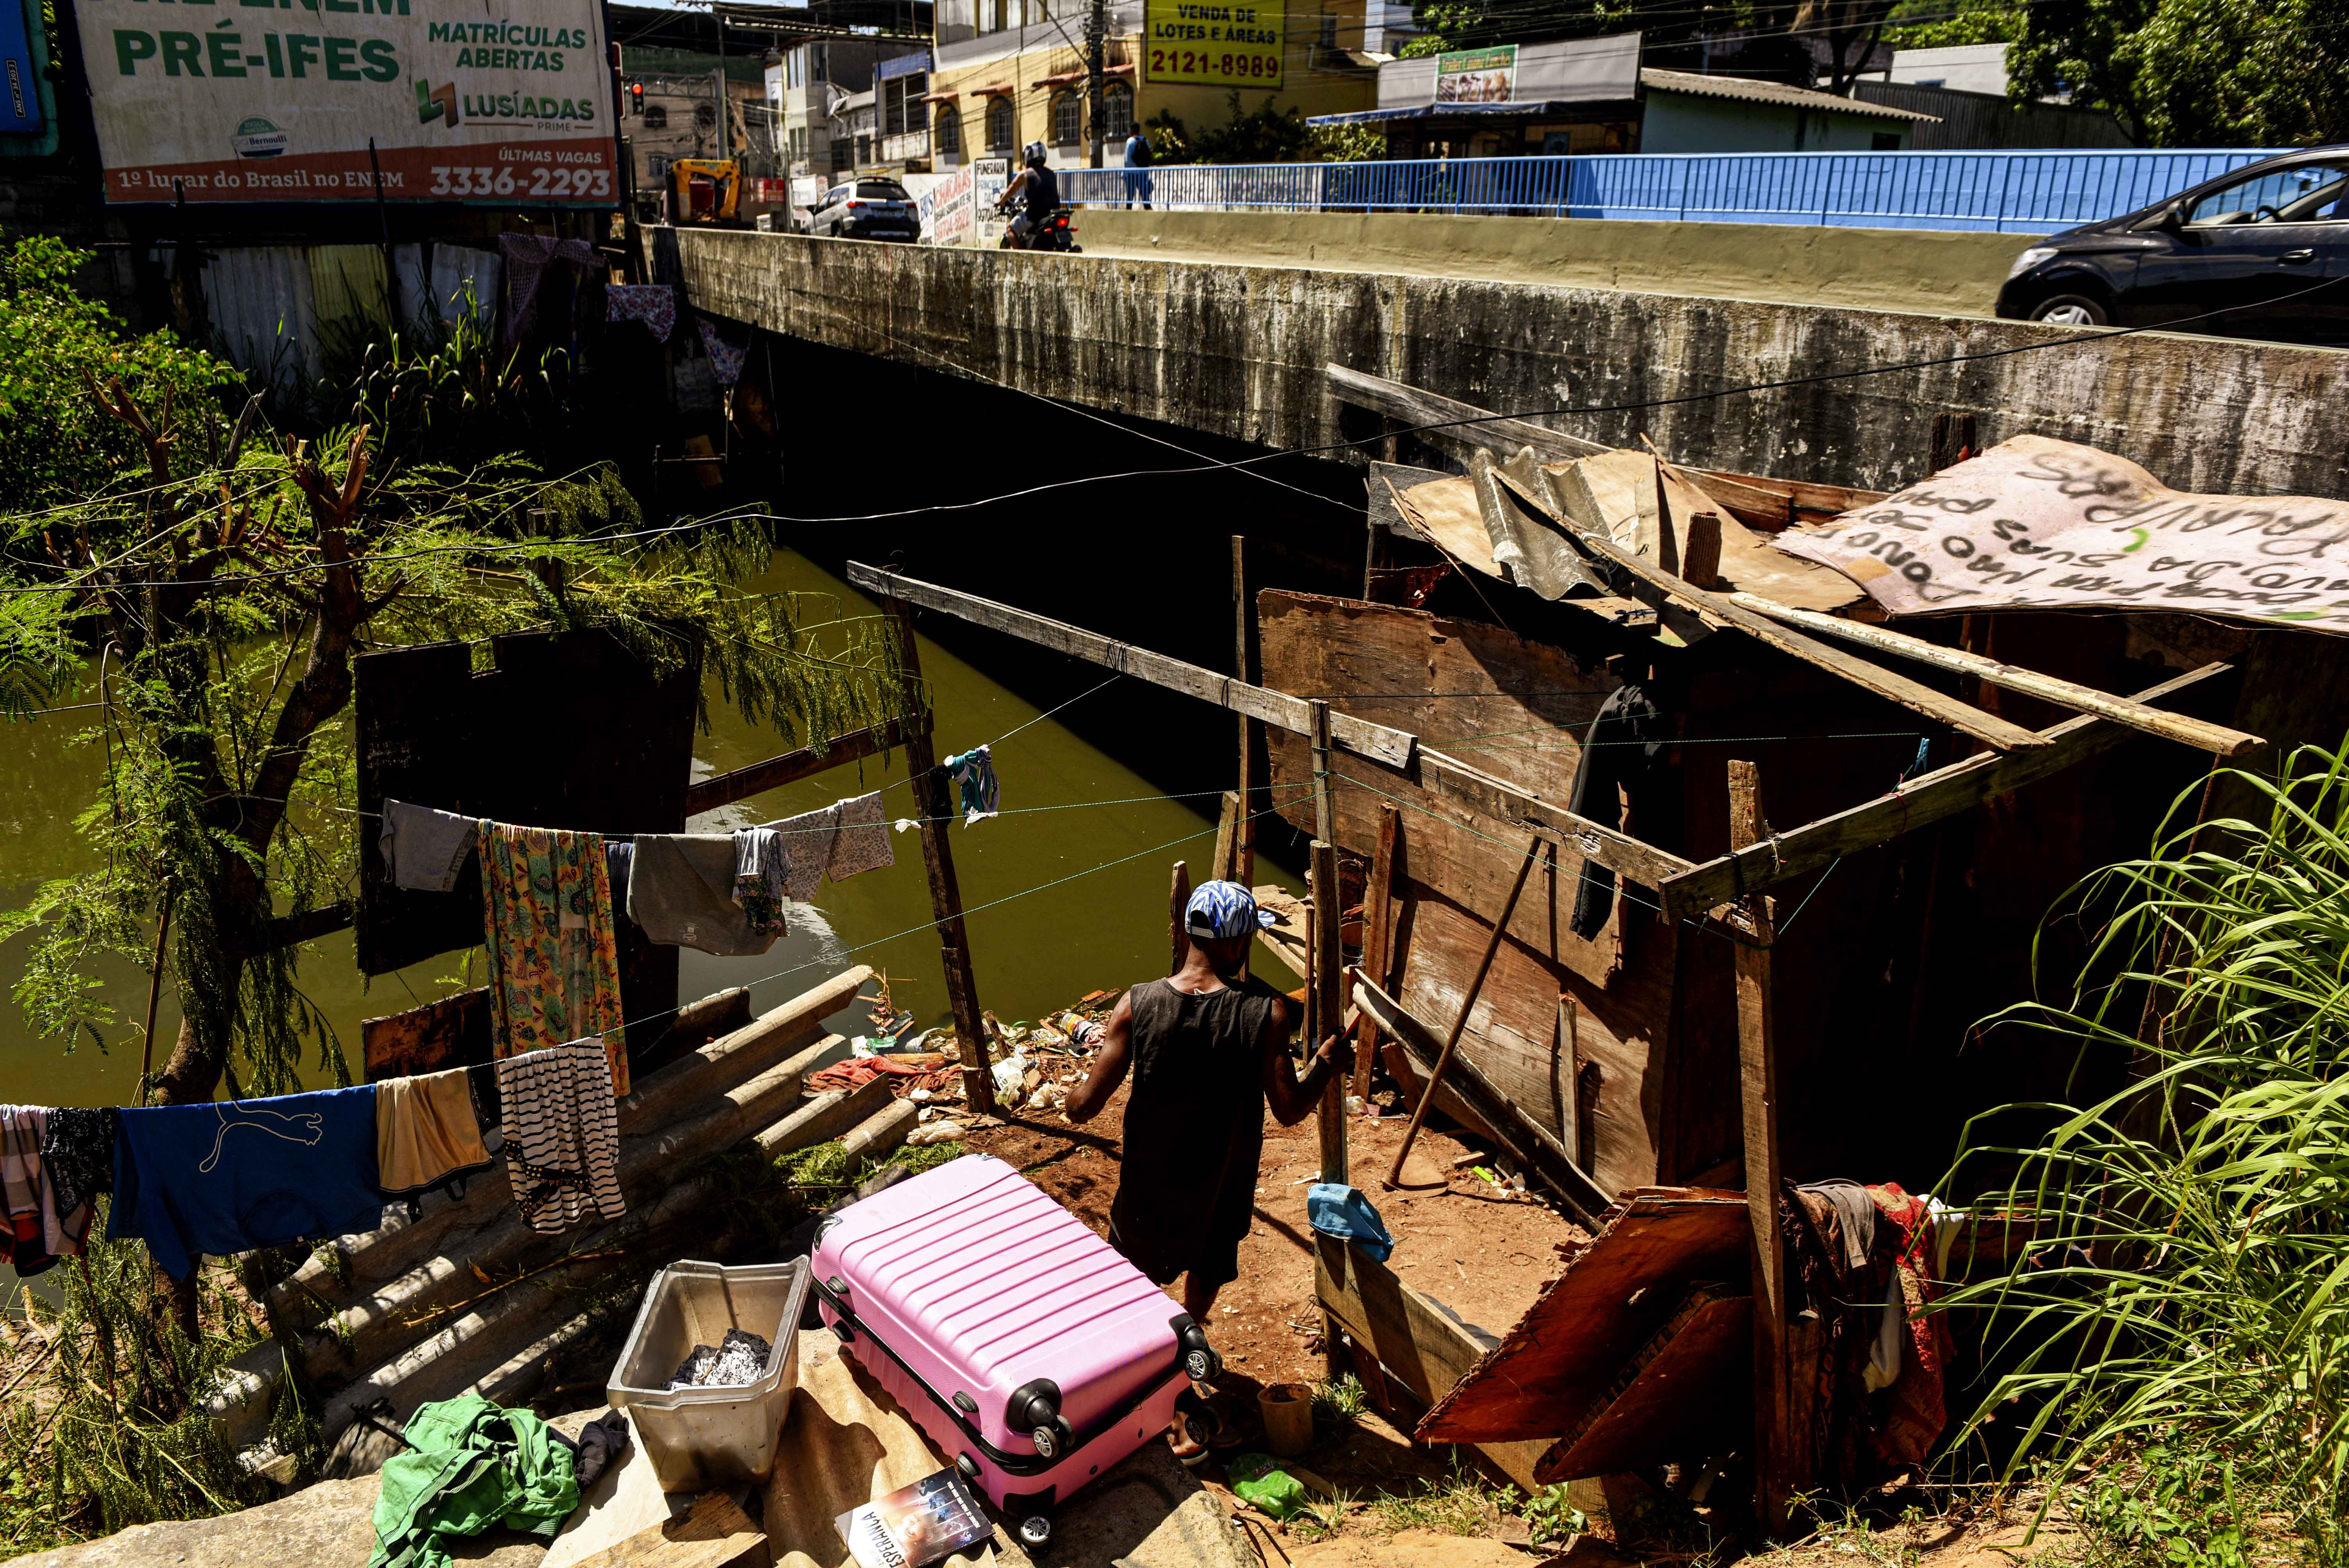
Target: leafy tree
223, 581
1264, 135
2187, 73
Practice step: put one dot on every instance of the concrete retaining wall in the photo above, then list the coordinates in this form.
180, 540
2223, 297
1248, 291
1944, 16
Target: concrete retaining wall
1891, 269
1239, 351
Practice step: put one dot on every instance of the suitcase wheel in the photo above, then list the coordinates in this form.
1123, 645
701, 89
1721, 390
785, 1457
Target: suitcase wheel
1035, 1530
1052, 1440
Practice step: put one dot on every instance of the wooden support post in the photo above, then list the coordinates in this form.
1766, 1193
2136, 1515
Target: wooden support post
1244, 862
1757, 1062
1324, 987
1227, 839
931, 800
1378, 936
1323, 1014
1467, 1006
1178, 896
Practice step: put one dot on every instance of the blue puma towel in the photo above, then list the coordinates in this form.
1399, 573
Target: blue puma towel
1336, 1209
229, 1175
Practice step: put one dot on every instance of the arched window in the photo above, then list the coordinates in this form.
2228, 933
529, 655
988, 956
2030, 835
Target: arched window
705, 117
949, 131
1001, 131
1067, 119
655, 116
1117, 111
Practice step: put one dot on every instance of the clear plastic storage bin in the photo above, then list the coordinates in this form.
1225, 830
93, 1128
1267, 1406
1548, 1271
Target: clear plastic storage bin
702, 1437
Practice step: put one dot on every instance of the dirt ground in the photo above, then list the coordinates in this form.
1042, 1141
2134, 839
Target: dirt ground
1483, 1250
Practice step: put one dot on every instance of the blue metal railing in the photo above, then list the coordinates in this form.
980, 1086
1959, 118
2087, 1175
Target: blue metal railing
1993, 191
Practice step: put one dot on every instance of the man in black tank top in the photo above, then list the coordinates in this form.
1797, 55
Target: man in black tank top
1208, 1050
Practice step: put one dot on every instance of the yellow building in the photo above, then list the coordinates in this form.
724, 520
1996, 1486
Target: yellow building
1009, 72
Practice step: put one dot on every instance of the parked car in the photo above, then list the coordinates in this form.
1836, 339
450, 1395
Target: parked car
866, 209
2250, 243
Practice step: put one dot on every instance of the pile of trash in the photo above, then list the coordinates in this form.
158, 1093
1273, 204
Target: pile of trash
1036, 1064
737, 1359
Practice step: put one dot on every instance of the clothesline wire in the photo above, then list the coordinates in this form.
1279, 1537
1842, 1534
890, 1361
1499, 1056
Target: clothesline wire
967, 909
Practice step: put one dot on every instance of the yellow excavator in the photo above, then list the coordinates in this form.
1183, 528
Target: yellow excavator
706, 191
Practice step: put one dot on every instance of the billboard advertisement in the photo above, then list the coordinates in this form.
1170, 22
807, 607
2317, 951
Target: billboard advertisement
1199, 44
334, 99
1477, 75
959, 209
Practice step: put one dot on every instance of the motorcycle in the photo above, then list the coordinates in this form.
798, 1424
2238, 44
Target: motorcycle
1054, 233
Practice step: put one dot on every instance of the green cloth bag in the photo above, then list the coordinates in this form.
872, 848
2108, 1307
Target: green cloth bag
470, 1465
1261, 1483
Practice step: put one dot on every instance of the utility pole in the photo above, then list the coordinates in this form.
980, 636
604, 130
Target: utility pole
1096, 71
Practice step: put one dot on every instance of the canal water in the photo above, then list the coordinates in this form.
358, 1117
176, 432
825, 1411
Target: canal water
1066, 889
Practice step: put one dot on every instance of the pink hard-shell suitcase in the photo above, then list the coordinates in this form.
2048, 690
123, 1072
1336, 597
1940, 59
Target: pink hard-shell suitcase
1026, 1346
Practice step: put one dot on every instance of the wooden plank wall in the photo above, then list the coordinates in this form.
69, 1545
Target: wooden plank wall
1516, 709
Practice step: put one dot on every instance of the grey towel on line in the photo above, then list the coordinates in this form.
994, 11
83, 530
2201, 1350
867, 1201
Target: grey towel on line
842, 839
681, 893
424, 848
810, 836
863, 841
561, 1136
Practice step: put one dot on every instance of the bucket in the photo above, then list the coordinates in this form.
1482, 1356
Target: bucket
701, 1438
1288, 1409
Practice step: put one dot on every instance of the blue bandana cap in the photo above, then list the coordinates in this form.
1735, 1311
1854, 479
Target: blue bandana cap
1224, 909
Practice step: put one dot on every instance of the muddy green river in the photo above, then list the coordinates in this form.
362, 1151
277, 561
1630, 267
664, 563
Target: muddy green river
1066, 891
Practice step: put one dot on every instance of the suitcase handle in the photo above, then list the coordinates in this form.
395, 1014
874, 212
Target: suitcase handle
834, 1294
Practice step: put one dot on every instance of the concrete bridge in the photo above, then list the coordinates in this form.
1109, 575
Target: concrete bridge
1237, 350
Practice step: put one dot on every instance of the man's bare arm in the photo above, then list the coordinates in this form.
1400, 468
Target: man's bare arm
1290, 1096
1108, 1071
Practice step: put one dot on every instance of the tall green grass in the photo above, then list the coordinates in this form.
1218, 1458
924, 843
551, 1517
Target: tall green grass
2174, 1346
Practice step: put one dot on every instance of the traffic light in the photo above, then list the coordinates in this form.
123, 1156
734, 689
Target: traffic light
636, 97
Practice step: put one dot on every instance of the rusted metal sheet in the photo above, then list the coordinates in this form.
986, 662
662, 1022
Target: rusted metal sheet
453, 1032
1564, 1357
1687, 1394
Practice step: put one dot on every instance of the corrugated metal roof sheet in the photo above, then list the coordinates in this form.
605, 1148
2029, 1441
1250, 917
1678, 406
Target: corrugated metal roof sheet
1746, 89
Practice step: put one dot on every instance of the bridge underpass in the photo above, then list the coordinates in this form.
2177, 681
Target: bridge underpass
1239, 352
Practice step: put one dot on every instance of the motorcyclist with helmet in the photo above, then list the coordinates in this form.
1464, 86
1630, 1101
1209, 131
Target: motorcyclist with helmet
1041, 189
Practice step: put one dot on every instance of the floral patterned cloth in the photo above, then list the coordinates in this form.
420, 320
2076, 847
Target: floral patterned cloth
554, 964
655, 304
725, 359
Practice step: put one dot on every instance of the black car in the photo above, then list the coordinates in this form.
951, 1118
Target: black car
2251, 244
866, 209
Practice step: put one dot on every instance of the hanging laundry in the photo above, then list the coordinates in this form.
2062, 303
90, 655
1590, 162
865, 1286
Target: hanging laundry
424, 850
1622, 753
470, 1465
763, 864
563, 1137
681, 893
555, 966
655, 304
78, 1159
227, 1176
527, 257
725, 359
619, 858
974, 770
810, 836
862, 844
32, 1221
426, 1134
